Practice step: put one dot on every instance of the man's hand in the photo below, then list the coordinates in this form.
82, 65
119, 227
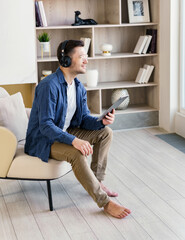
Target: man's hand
83, 146
109, 118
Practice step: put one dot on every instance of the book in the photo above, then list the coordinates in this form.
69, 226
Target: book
87, 42
153, 44
149, 71
38, 15
140, 44
140, 75
147, 67
147, 44
42, 12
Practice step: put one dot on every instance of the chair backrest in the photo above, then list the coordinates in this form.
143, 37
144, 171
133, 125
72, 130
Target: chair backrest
8, 146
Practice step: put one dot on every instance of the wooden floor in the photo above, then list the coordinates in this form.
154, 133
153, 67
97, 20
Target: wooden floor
149, 176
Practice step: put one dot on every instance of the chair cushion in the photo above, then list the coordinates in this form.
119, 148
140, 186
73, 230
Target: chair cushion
28, 167
13, 115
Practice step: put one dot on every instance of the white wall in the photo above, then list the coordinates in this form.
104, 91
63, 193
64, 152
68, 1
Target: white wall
169, 63
17, 42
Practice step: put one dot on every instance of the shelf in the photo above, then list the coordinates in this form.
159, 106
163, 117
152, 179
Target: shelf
133, 109
123, 55
99, 56
47, 59
124, 84
136, 108
97, 26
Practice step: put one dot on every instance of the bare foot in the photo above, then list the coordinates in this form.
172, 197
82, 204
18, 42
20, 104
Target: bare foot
116, 210
109, 192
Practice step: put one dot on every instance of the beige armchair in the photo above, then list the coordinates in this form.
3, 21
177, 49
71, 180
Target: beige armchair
15, 164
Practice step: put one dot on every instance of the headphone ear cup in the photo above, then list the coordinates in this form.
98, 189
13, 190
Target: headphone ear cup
65, 61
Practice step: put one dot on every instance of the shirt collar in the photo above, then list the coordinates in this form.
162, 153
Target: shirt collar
62, 79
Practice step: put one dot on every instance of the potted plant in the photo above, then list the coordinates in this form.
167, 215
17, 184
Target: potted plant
44, 40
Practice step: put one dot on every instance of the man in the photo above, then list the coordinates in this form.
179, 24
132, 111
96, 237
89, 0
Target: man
62, 128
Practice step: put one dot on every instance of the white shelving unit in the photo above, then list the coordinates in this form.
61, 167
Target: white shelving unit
117, 71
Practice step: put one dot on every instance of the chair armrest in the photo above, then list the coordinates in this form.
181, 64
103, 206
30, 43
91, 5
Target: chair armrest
8, 146
28, 111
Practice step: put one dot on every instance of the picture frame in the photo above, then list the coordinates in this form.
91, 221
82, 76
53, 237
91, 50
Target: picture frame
138, 11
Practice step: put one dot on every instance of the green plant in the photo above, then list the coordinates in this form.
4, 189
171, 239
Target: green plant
44, 37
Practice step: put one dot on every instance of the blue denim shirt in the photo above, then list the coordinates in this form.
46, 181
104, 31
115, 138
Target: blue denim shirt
48, 115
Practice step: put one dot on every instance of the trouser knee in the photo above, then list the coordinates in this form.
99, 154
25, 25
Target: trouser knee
78, 159
108, 133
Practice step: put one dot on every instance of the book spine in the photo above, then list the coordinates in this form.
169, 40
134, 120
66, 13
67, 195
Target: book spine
140, 75
147, 67
43, 15
149, 74
140, 44
38, 15
147, 44
153, 44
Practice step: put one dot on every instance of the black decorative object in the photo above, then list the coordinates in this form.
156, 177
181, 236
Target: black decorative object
79, 21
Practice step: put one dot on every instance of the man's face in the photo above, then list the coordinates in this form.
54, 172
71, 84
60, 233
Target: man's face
79, 61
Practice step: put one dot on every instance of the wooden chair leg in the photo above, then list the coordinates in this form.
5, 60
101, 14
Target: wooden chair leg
49, 195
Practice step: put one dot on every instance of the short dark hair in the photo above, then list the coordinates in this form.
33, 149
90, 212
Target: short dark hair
70, 45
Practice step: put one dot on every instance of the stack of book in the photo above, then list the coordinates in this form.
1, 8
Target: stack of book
40, 14
144, 74
147, 43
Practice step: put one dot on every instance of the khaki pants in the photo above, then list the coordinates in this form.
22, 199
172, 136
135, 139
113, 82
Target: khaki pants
88, 177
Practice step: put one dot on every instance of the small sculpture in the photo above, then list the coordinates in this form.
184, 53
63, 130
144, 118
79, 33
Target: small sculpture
106, 49
79, 21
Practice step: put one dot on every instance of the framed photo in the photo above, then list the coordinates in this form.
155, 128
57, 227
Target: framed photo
138, 11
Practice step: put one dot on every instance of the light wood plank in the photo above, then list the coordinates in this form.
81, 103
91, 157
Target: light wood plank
165, 154
178, 205
49, 223
155, 203
21, 216
68, 213
152, 162
131, 161
165, 213
147, 224
6, 227
95, 217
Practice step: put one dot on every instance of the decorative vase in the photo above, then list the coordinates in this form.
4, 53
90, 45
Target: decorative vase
106, 49
92, 78
45, 48
116, 94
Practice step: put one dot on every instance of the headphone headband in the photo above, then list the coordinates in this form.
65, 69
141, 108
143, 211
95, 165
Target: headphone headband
64, 46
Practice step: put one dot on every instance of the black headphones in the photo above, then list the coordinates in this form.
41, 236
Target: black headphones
65, 61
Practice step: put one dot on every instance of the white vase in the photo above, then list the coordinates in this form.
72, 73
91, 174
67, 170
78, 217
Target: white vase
45, 46
92, 78
116, 94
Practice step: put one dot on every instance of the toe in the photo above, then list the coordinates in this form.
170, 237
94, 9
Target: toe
127, 210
